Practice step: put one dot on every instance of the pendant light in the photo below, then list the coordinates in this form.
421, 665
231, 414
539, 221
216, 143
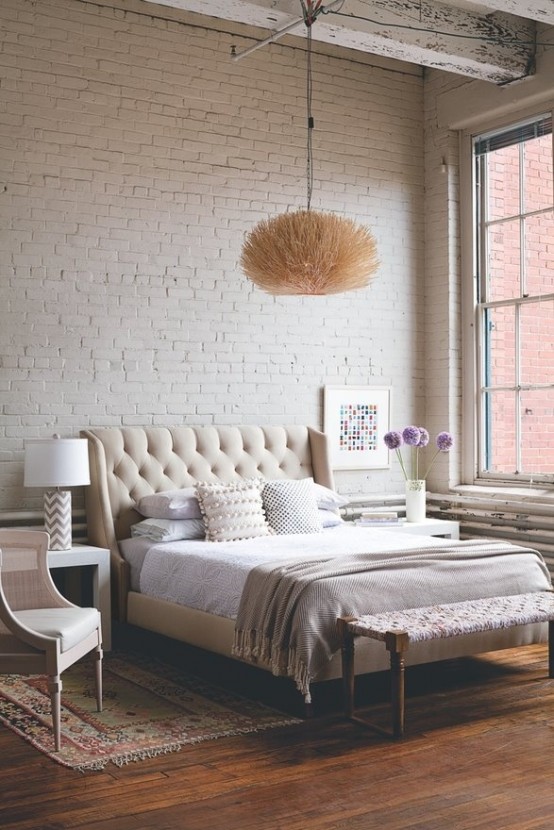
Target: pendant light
308, 251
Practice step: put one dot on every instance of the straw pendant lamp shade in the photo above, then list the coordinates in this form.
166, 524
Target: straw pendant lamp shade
308, 251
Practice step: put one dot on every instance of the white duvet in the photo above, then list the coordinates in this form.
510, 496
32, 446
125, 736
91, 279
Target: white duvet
210, 576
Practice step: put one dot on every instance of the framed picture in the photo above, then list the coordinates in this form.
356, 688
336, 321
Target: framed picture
356, 419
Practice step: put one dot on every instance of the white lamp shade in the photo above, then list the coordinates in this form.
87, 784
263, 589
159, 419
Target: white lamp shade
56, 462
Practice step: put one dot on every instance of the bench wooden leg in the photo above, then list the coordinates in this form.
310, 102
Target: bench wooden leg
397, 643
551, 648
347, 657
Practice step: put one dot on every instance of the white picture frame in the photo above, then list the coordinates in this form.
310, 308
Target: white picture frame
355, 420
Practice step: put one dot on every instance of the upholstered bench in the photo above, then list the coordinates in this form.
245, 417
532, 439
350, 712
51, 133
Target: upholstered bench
397, 629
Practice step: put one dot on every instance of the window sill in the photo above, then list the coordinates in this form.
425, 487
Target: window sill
503, 492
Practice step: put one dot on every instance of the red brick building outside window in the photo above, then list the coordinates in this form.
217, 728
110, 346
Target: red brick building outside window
514, 262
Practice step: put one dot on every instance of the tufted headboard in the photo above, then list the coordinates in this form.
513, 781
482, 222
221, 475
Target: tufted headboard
127, 463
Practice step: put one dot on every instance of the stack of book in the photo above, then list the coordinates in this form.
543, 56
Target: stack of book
389, 517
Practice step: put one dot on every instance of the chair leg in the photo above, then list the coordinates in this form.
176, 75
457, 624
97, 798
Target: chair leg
98, 654
55, 688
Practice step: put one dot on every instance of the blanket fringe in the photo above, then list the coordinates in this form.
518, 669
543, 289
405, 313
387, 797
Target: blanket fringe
254, 647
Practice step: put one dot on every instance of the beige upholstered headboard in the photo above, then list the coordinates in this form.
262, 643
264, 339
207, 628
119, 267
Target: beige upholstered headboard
127, 463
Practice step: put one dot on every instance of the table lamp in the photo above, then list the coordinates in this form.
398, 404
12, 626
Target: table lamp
57, 463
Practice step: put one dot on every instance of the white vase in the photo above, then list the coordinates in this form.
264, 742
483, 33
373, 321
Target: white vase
415, 500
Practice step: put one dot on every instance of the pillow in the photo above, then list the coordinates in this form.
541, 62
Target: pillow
328, 499
170, 530
232, 511
171, 504
291, 506
329, 518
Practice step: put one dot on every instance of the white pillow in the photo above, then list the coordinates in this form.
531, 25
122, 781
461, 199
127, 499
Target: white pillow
170, 530
291, 507
327, 499
171, 504
329, 518
232, 511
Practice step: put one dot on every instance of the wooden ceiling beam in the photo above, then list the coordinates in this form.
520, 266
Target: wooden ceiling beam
540, 10
497, 47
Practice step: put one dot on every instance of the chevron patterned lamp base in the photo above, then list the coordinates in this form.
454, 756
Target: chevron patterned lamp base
57, 518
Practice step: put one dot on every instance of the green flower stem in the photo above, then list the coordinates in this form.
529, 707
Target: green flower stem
401, 461
414, 463
430, 465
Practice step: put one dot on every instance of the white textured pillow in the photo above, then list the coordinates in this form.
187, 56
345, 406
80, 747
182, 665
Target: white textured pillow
170, 530
327, 499
291, 506
329, 518
232, 511
171, 504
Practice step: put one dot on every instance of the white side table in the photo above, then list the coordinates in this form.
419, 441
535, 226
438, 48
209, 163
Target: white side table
80, 556
428, 527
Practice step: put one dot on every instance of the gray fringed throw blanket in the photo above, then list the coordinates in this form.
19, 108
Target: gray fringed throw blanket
288, 611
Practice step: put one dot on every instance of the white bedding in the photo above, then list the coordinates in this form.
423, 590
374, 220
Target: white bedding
210, 576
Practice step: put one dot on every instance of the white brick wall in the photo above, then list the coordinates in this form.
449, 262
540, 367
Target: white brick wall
134, 155
443, 343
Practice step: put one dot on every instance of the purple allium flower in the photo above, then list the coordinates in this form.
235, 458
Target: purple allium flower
423, 437
393, 440
411, 436
417, 438
444, 441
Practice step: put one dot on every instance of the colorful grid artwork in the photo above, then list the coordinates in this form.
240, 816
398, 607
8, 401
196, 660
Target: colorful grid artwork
355, 420
358, 427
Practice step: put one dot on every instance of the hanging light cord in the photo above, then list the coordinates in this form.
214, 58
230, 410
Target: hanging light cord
310, 121
310, 11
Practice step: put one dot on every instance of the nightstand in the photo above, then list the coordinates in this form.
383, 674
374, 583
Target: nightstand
80, 556
428, 527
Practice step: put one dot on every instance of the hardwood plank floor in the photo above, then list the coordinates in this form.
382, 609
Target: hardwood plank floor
478, 755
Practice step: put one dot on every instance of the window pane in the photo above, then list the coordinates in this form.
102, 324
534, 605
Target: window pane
537, 193
539, 254
500, 348
503, 182
537, 354
503, 247
514, 262
537, 431
500, 428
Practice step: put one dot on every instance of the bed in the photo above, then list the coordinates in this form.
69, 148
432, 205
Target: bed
130, 463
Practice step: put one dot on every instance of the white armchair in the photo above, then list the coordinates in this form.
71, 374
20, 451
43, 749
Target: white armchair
41, 632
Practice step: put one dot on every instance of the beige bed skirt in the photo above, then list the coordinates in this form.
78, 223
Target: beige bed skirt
215, 634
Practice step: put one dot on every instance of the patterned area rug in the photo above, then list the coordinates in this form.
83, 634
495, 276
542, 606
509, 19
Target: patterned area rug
149, 709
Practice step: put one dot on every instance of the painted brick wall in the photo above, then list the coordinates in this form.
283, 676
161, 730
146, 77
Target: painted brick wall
134, 155
443, 345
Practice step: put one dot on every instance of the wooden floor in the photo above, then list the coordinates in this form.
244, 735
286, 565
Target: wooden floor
479, 755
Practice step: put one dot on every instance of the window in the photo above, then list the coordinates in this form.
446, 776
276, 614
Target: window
514, 269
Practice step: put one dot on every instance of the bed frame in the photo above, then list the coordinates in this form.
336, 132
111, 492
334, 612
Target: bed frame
127, 463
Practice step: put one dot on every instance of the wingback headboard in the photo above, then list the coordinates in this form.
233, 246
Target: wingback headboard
127, 463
